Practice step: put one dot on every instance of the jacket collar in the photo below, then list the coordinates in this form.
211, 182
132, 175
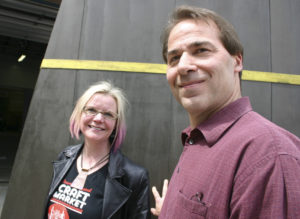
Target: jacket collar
115, 194
73, 151
115, 169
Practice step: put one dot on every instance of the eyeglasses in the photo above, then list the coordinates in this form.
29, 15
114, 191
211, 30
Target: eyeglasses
89, 111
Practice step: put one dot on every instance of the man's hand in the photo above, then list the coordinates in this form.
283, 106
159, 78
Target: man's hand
159, 200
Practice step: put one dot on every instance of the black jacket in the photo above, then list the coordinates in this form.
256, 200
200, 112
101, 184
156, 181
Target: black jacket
126, 192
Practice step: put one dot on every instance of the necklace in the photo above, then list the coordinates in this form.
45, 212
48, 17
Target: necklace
103, 159
80, 179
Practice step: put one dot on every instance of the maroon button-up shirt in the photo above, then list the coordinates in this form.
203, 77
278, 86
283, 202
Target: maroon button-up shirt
236, 164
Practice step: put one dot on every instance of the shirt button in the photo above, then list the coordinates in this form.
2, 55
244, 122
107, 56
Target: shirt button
191, 141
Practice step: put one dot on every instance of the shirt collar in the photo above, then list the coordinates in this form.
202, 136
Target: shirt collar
214, 127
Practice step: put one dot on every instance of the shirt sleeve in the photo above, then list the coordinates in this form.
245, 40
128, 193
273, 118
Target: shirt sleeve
270, 189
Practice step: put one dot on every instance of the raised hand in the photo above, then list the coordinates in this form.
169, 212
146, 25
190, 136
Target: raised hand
159, 200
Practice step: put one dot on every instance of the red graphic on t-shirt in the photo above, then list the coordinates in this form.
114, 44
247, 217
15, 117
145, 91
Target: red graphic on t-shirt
57, 211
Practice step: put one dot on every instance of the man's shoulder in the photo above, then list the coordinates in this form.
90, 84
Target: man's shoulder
255, 124
265, 136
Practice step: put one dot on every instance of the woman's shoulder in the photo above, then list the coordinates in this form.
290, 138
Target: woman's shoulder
129, 166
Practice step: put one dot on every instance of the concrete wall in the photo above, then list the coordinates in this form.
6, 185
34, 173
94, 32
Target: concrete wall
123, 30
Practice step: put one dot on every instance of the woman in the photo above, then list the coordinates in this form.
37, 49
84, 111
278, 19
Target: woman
94, 179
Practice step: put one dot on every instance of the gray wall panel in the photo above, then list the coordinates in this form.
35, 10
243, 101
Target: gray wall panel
123, 30
285, 107
252, 22
260, 96
285, 31
149, 124
66, 33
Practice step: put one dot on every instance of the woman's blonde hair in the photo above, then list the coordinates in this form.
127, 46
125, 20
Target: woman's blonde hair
102, 87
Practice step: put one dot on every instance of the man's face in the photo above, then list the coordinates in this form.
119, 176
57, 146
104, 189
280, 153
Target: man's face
202, 75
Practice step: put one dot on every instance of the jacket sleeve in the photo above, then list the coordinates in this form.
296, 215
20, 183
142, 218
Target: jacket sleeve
141, 207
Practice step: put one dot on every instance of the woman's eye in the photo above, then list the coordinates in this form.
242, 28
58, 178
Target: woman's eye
108, 115
91, 111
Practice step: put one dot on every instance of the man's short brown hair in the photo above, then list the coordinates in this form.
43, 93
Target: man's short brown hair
228, 36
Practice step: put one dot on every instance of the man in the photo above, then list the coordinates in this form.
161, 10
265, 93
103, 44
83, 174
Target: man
235, 163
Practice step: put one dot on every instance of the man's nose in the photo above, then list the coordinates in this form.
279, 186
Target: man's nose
186, 64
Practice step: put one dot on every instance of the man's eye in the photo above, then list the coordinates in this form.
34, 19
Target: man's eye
173, 59
201, 50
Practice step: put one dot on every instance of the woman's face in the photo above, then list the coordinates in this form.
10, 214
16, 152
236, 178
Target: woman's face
98, 118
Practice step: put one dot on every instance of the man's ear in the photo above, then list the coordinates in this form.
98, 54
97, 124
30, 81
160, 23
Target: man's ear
238, 63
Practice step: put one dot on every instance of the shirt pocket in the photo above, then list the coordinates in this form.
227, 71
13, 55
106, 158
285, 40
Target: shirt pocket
191, 208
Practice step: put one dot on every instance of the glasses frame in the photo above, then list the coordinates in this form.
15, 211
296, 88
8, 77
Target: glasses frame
107, 115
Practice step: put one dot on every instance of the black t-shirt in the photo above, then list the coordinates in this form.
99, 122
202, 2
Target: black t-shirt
69, 202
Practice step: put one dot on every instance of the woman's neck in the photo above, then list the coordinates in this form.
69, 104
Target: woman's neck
93, 152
